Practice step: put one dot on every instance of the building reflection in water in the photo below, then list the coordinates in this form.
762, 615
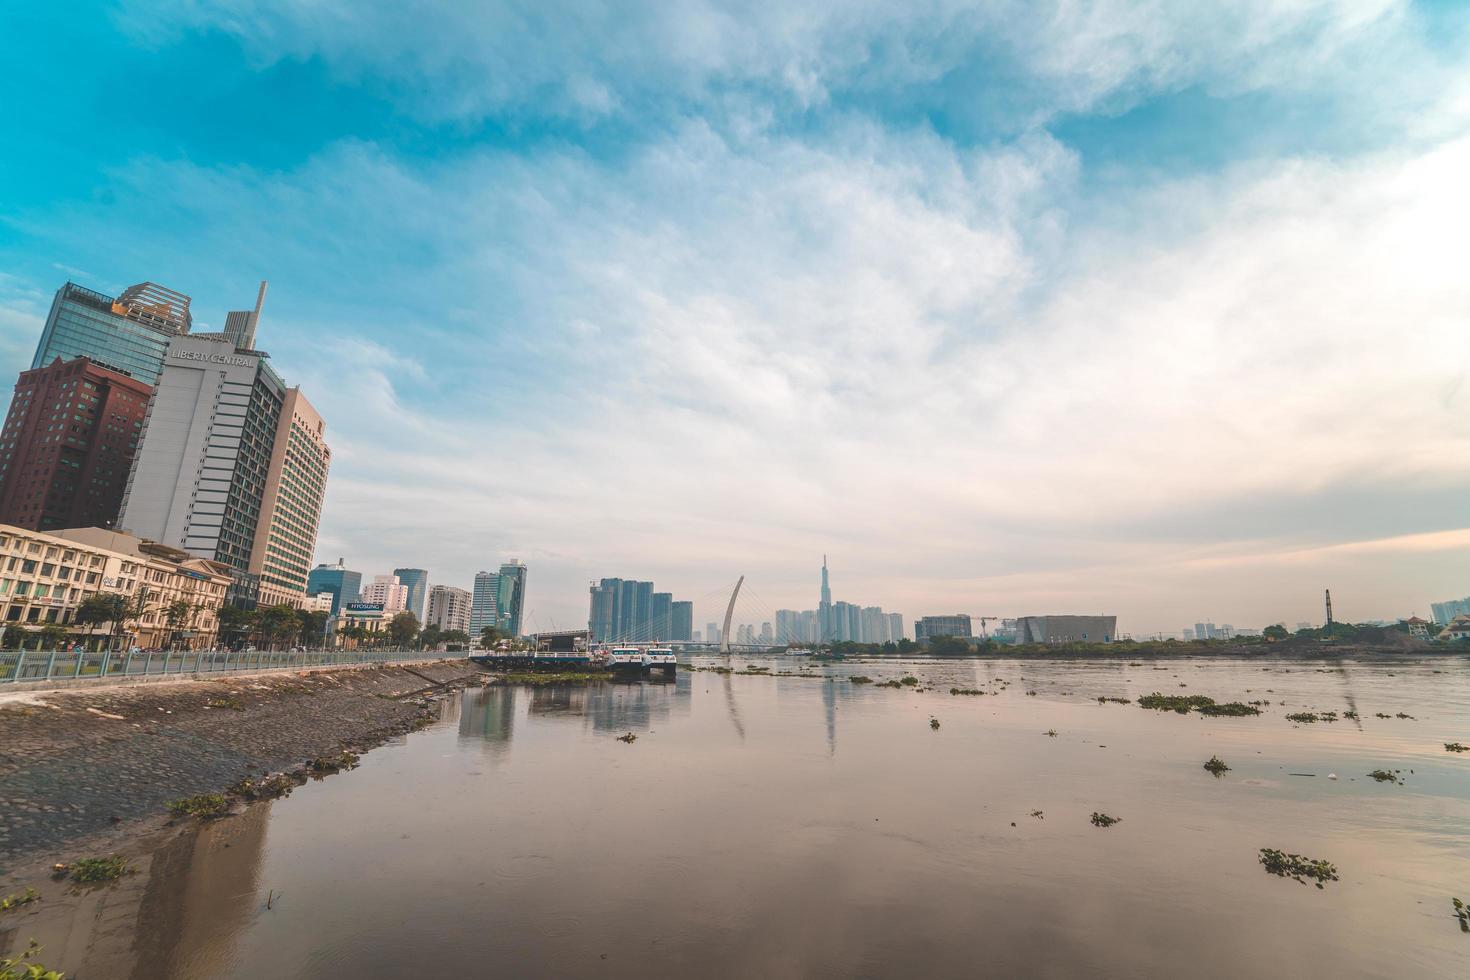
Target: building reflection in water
487, 715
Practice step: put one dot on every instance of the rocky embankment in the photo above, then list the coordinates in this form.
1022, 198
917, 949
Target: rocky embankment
75, 764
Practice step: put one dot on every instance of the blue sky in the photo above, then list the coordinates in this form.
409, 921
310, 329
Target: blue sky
1149, 308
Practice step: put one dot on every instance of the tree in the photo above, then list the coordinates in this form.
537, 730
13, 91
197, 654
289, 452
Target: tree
431, 636
312, 625
93, 611
489, 636
177, 615
454, 639
1275, 632
51, 636
234, 622
12, 637
278, 623
402, 628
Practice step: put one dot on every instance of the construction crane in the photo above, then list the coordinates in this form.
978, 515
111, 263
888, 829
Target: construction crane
985, 634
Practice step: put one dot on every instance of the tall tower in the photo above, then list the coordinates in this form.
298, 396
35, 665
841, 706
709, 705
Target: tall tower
1329, 607
824, 608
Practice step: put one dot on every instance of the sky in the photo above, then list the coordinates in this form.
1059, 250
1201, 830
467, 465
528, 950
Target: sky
1159, 309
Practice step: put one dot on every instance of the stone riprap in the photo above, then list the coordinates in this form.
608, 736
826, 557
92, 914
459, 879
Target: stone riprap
75, 763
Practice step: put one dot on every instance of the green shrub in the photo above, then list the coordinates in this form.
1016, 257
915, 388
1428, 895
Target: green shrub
91, 871
203, 806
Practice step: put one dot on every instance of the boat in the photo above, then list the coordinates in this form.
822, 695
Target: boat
627, 661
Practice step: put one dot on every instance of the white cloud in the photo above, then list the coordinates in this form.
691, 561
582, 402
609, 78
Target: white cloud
721, 356
586, 60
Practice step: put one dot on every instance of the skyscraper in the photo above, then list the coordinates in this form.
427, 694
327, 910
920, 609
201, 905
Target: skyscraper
129, 334
606, 607
343, 584
204, 461
449, 608
661, 616
511, 597
824, 607
482, 605
68, 445
417, 581
291, 505
683, 622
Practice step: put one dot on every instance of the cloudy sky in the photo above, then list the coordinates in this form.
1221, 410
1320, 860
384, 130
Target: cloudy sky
1009, 307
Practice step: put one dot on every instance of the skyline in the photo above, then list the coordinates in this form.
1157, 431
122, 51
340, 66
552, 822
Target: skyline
1163, 319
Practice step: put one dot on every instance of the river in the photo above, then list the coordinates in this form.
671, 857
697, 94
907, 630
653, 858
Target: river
807, 826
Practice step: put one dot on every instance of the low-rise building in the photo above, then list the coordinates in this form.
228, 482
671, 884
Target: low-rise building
928, 627
360, 624
44, 578
1067, 629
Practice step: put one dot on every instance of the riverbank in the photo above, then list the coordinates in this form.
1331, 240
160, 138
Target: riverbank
89, 770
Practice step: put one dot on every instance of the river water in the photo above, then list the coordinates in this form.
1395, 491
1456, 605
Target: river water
806, 826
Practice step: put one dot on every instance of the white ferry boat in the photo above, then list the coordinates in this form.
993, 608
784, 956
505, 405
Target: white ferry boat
637, 660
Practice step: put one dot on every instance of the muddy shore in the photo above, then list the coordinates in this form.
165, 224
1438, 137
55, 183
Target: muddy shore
90, 770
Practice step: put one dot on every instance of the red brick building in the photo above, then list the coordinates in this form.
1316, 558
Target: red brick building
68, 444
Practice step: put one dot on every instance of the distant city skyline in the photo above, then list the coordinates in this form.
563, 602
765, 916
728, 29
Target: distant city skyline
1156, 313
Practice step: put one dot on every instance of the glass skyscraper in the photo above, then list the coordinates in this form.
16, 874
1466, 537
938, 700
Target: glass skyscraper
343, 583
417, 581
129, 334
511, 597
483, 603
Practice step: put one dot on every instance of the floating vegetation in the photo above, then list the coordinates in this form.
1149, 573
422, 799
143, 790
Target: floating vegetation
1384, 776
537, 679
93, 871
630, 738
266, 787
1304, 717
1448, 746
1353, 715
1103, 700
205, 806
934, 723
893, 684
1217, 766
720, 670
231, 702
1231, 709
1050, 733
1174, 702
1381, 715
22, 968
966, 691
1037, 814
909, 680
328, 764
1462, 912
1103, 820
860, 679
1402, 715
1296, 867
26, 897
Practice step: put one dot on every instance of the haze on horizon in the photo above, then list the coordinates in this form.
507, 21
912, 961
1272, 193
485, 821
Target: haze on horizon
1087, 307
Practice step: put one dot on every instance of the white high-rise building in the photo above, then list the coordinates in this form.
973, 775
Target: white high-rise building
449, 608
386, 589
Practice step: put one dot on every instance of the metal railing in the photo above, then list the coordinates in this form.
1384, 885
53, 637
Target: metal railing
18, 666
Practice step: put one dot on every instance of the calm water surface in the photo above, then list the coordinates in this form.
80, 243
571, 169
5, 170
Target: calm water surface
809, 827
